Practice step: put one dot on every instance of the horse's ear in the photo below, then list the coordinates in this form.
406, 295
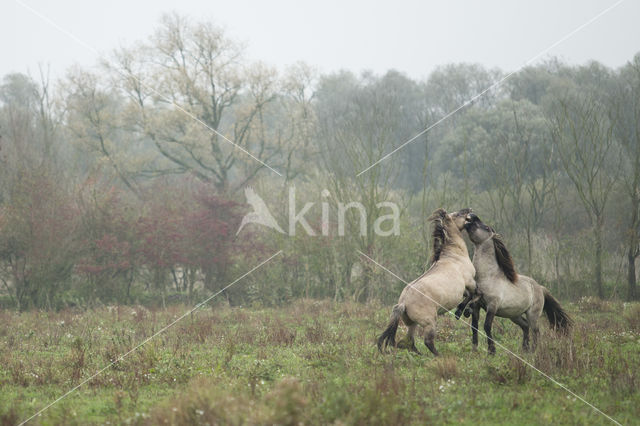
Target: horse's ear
504, 259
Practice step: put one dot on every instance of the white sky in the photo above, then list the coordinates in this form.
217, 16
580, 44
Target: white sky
410, 36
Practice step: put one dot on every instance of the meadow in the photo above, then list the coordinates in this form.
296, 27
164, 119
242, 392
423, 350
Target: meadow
311, 362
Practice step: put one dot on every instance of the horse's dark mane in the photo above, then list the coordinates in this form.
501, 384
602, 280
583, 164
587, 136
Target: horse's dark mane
439, 233
504, 259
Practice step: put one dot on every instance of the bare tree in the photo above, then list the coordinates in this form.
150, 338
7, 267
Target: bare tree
583, 135
94, 122
626, 114
197, 102
296, 137
360, 120
525, 167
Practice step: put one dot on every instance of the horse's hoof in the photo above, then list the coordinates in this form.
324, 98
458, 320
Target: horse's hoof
458, 313
406, 344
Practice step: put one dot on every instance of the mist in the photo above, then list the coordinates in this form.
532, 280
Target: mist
285, 168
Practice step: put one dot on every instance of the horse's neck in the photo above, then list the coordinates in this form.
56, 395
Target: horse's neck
456, 246
484, 257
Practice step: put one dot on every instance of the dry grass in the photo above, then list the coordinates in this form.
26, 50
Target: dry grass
446, 367
308, 363
632, 315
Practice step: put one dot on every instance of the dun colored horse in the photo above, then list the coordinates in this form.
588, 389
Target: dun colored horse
502, 292
438, 290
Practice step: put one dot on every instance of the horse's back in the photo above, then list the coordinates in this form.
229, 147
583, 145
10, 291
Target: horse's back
513, 299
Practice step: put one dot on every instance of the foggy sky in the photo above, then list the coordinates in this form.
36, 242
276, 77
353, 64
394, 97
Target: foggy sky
410, 36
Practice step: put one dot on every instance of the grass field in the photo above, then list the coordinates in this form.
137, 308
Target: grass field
312, 362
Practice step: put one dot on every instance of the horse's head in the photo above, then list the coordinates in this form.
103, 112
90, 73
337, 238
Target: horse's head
445, 227
459, 218
479, 233
477, 230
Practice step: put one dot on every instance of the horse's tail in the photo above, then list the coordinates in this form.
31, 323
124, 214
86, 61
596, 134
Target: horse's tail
388, 337
558, 318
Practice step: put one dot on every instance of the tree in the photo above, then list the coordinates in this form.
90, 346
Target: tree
38, 240
511, 163
625, 104
109, 239
192, 98
525, 165
449, 88
583, 136
38, 216
29, 125
209, 242
297, 135
533, 82
359, 121
94, 122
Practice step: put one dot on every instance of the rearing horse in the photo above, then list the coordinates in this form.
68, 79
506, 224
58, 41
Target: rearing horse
505, 293
438, 290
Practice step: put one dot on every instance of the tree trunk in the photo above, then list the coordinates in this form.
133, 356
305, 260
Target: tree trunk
598, 257
631, 276
129, 282
529, 260
175, 279
192, 279
632, 252
557, 267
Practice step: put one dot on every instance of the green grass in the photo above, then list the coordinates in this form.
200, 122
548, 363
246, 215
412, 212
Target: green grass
311, 362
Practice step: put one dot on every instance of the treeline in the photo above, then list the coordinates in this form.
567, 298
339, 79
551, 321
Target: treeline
121, 184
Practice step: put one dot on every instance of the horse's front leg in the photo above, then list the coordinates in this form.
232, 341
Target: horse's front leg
462, 306
488, 323
475, 317
472, 304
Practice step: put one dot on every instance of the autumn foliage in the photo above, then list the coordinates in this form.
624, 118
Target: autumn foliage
38, 240
101, 243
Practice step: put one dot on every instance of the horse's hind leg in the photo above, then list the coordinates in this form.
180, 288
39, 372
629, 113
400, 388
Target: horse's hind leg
533, 314
429, 341
536, 332
532, 319
409, 341
524, 325
430, 336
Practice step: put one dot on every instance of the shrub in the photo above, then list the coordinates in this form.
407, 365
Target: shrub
287, 402
632, 315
